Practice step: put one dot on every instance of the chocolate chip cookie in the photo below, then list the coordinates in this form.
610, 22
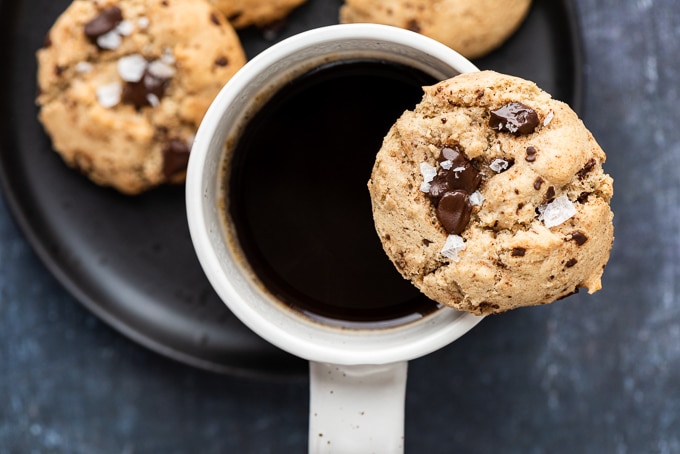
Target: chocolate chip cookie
490, 195
260, 13
123, 85
471, 27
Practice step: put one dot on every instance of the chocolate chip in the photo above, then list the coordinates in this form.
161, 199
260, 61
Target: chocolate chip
578, 237
138, 93
444, 120
214, 18
583, 197
462, 174
515, 118
414, 26
518, 252
538, 182
438, 187
531, 154
570, 263
451, 188
175, 157
586, 168
104, 22
222, 61
550, 194
453, 211
486, 306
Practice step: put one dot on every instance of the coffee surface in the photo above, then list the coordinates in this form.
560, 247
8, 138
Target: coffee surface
298, 196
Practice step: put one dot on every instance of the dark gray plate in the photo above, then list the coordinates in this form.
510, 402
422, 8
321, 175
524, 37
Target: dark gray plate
130, 260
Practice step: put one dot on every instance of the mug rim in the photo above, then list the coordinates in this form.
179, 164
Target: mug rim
333, 344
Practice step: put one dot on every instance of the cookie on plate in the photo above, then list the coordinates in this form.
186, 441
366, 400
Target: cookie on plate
260, 13
490, 195
471, 27
124, 84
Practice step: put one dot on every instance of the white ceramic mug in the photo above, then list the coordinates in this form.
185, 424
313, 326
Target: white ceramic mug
358, 376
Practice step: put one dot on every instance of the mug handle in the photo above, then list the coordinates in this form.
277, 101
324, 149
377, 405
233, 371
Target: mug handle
357, 409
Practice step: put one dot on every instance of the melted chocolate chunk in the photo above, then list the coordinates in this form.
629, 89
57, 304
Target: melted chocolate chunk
518, 252
451, 188
137, 93
453, 211
104, 22
461, 175
570, 263
515, 118
175, 157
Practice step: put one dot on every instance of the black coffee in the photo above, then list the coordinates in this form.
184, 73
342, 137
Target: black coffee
298, 195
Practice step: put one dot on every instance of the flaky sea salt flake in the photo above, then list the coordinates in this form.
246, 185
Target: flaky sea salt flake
153, 100
125, 28
428, 172
457, 171
110, 40
83, 67
556, 212
168, 57
446, 165
548, 118
498, 165
453, 246
161, 70
131, 67
477, 199
109, 95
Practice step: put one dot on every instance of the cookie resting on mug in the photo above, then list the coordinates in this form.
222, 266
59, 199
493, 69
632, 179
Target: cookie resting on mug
124, 84
490, 195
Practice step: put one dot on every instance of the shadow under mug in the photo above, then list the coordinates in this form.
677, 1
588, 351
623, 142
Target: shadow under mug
357, 376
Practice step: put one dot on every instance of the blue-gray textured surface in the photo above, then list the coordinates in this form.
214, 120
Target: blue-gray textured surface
596, 374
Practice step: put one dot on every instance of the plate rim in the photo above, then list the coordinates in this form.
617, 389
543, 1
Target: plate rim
8, 11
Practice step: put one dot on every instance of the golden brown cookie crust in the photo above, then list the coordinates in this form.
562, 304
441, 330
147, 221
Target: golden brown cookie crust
260, 13
511, 257
116, 143
471, 27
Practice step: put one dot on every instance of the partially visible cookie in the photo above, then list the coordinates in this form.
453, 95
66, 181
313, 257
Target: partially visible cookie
260, 13
124, 84
471, 27
491, 195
